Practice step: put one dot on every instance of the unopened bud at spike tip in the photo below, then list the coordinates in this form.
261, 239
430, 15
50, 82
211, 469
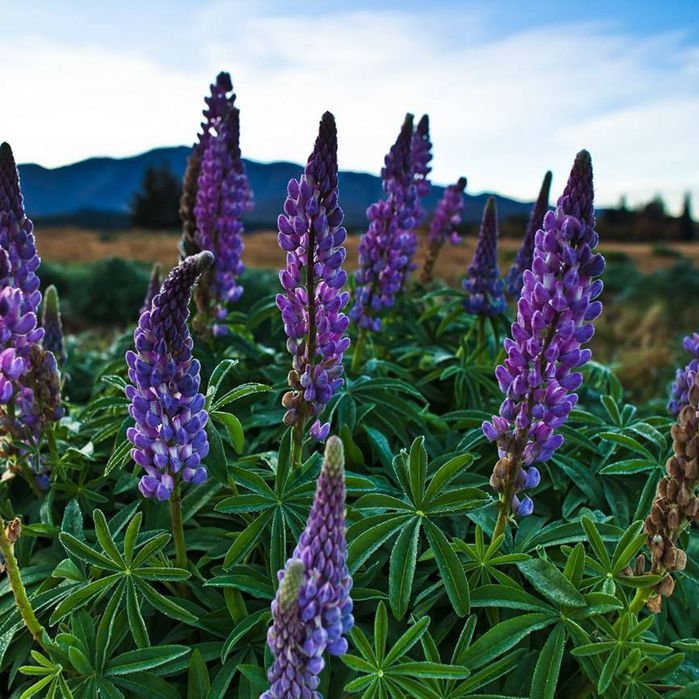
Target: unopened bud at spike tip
290, 585
334, 463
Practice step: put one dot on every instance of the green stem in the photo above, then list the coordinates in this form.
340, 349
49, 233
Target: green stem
23, 604
503, 516
639, 600
178, 526
358, 351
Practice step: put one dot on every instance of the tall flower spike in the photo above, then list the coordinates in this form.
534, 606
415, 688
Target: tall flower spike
676, 504
684, 378
324, 605
482, 283
446, 219
525, 254
421, 155
169, 438
555, 317
311, 233
217, 106
293, 673
387, 246
222, 199
52, 324
152, 290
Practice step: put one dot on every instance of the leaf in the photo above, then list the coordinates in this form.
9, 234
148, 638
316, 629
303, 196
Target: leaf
596, 542
105, 539
216, 459
628, 467
502, 637
450, 569
87, 555
242, 628
245, 389
551, 583
445, 475
83, 596
609, 670
233, 427
198, 682
164, 604
406, 641
134, 661
402, 568
548, 666
367, 542
417, 465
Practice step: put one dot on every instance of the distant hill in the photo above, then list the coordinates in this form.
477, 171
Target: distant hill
97, 192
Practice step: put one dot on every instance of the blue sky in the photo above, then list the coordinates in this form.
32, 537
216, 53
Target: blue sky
512, 88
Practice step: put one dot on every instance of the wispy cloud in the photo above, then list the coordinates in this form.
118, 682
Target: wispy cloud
504, 108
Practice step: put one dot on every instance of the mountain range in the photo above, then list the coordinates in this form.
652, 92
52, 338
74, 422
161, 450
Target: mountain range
98, 191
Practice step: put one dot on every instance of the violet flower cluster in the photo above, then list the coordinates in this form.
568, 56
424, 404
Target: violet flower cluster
525, 254
312, 612
555, 317
53, 325
482, 283
420, 157
387, 247
446, 219
20, 413
216, 194
311, 304
684, 378
169, 438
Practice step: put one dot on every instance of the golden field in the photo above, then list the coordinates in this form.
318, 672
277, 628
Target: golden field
76, 245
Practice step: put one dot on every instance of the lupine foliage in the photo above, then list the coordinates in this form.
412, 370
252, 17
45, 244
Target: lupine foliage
240, 586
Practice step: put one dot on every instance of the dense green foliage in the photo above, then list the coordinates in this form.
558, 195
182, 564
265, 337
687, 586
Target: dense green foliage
441, 610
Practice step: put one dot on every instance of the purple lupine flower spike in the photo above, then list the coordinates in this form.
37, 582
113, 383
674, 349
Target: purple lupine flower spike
385, 249
684, 378
555, 317
446, 219
523, 259
421, 155
293, 673
169, 438
52, 324
311, 233
321, 613
323, 549
152, 290
217, 104
222, 198
482, 283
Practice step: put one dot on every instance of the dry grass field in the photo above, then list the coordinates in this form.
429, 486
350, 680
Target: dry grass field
74, 245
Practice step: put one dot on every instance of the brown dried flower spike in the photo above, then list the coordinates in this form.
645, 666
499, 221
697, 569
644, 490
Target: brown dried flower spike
675, 504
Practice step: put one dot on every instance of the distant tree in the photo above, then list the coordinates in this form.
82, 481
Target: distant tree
157, 203
687, 227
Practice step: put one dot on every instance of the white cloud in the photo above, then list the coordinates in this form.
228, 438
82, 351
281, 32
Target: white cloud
503, 110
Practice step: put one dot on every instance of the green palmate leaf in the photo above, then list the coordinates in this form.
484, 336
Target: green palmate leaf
450, 569
504, 636
402, 567
445, 475
164, 604
245, 389
144, 659
551, 583
596, 542
417, 465
548, 666
105, 538
218, 375
84, 553
609, 669
82, 596
241, 629
364, 545
406, 641
198, 681
137, 624
216, 459
508, 597
233, 427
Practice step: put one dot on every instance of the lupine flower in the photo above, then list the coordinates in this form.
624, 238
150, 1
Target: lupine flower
555, 317
217, 104
482, 283
323, 614
311, 233
421, 155
385, 249
684, 378
293, 673
169, 438
525, 254
222, 198
446, 219
52, 324
675, 504
20, 415
17, 236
